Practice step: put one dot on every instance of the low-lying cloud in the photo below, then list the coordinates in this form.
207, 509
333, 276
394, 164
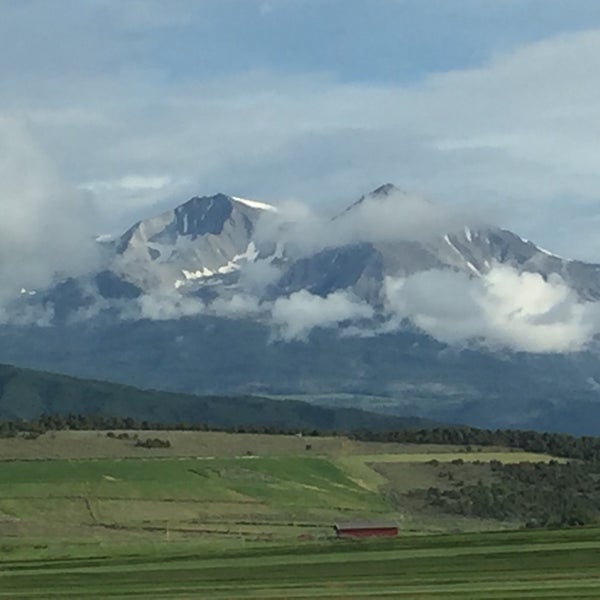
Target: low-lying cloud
46, 228
294, 317
502, 309
291, 318
164, 306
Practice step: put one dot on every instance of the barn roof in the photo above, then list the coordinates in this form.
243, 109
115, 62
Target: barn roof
365, 525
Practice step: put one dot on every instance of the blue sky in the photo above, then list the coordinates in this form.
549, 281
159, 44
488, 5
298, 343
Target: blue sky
394, 41
113, 109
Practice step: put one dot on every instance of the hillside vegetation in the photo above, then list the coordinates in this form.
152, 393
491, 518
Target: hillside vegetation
207, 487
28, 394
410, 374
207, 514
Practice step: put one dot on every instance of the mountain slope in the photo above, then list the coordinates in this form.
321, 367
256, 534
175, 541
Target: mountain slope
404, 373
406, 234
202, 238
26, 393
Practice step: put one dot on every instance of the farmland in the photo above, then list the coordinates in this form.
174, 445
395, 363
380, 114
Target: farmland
546, 564
249, 516
212, 487
96, 444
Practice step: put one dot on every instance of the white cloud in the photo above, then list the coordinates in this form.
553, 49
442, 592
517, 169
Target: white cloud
238, 306
46, 225
166, 305
294, 317
380, 219
503, 309
130, 183
256, 276
518, 131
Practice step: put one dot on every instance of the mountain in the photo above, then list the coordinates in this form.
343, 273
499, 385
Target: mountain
200, 249
474, 250
224, 295
206, 237
190, 249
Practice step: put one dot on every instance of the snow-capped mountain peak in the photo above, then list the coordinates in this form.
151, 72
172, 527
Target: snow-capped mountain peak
206, 243
204, 237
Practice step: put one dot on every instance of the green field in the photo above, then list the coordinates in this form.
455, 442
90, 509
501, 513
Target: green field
261, 488
511, 565
232, 499
96, 444
250, 516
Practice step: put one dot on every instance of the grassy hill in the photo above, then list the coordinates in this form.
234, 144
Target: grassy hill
27, 394
223, 488
244, 515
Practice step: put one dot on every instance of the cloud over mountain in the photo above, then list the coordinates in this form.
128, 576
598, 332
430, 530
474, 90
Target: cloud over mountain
295, 316
389, 260
502, 309
46, 229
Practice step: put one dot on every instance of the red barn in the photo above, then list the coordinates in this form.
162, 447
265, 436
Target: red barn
366, 529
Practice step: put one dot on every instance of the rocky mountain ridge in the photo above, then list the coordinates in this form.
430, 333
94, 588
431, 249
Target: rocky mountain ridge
201, 249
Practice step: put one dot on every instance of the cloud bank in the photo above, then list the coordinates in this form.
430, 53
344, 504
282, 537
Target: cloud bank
46, 229
502, 309
381, 218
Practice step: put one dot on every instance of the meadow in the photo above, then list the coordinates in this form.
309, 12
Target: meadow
68, 444
221, 515
544, 564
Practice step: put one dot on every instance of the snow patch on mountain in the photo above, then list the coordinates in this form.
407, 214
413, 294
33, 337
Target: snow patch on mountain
255, 204
548, 253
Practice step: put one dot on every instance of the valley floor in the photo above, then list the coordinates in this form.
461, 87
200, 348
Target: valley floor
218, 515
510, 565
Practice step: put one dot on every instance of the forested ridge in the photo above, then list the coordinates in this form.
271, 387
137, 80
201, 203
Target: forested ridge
29, 394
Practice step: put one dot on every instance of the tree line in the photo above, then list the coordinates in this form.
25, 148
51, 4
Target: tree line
585, 448
557, 444
79, 422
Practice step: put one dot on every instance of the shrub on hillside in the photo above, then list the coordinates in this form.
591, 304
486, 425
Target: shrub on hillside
153, 443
